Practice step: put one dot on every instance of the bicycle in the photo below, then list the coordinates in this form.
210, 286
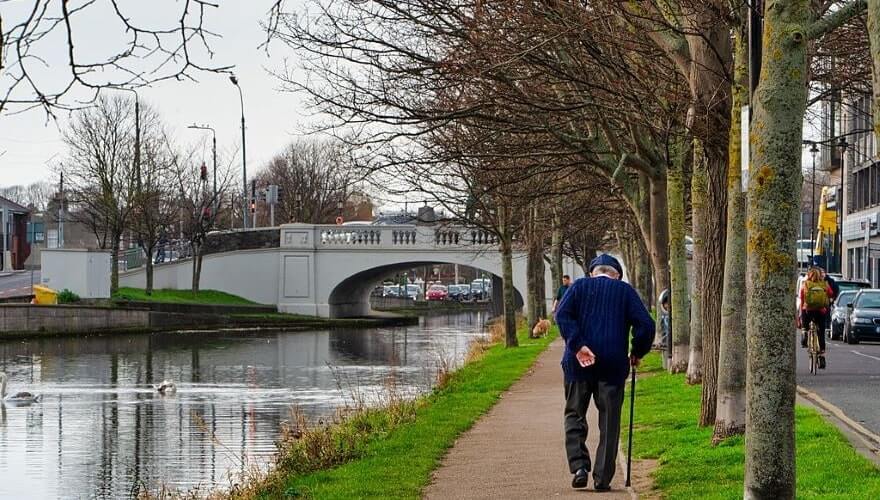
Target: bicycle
813, 348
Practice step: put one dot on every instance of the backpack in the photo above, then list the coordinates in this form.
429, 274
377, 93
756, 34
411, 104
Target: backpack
816, 295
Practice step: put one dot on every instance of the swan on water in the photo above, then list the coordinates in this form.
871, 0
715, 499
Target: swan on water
19, 397
166, 387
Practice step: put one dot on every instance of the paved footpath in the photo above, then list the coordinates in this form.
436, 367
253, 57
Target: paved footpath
516, 450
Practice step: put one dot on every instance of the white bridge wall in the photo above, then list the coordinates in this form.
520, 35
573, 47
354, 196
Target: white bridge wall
330, 270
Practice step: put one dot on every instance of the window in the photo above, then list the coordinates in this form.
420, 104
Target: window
865, 188
52, 238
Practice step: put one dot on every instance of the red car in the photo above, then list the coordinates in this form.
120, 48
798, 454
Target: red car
436, 292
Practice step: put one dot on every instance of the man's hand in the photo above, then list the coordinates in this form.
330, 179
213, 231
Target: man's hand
585, 357
634, 361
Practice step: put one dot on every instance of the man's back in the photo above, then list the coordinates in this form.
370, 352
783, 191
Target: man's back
598, 313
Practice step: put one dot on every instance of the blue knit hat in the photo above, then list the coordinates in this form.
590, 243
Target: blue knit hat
606, 260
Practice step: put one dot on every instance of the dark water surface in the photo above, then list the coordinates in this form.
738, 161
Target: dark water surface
101, 430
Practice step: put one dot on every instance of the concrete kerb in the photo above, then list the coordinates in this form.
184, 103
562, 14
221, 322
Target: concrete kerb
864, 441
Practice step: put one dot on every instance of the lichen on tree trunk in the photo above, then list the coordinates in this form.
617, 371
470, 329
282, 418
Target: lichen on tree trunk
699, 182
775, 181
731, 404
680, 296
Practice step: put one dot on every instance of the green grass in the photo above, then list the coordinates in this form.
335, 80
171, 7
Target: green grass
398, 464
180, 297
689, 467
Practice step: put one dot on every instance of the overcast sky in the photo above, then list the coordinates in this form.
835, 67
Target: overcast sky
30, 145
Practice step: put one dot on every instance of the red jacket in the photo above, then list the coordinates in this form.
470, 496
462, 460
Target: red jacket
828, 290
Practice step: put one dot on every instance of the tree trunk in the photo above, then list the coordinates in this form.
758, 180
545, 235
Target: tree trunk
680, 296
775, 181
114, 265
197, 268
874, 38
659, 243
149, 271
730, 418
556, 250
540, 280
712, 281
699, 183
510, 339
506, 248
532, 286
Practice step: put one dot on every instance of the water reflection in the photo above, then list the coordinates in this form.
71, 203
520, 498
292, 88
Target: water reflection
101, 429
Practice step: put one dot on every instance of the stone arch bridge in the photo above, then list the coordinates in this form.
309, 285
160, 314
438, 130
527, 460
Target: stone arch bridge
329, 271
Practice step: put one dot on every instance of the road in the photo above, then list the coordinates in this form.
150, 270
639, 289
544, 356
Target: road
17, 283
851, 380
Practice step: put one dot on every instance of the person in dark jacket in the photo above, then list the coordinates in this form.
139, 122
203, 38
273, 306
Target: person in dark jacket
595, 318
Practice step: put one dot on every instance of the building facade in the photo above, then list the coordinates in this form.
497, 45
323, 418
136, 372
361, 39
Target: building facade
861, 194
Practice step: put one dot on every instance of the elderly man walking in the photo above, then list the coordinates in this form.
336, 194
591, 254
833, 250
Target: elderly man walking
595, 318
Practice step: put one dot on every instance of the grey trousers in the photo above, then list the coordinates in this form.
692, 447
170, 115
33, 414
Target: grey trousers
609, 401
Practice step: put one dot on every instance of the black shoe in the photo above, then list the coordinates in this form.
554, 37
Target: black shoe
821, 362
580, 478
602, 487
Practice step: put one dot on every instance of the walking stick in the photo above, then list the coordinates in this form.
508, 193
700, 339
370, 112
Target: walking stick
632, 404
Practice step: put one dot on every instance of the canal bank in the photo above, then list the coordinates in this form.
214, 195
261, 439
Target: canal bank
102, 431
392, 453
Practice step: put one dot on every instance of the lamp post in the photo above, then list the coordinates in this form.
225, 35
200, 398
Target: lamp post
814, 150
214, 154
234, 80
842, 144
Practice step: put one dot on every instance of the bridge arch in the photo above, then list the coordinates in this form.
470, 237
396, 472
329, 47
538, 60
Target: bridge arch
351, 296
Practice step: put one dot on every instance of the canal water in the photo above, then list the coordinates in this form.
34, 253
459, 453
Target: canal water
102, 431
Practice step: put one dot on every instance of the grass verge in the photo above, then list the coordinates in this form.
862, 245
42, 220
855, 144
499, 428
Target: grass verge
392, 455
180, 297
690, 467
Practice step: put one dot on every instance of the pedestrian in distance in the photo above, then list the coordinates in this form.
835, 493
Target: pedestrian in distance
595, 317
560, 292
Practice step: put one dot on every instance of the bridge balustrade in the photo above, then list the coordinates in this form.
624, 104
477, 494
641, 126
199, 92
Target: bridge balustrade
397, 236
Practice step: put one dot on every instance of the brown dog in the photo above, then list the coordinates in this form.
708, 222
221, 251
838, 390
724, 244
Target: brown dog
541, 328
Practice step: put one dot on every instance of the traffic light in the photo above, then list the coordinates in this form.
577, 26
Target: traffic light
253, 205
203, 172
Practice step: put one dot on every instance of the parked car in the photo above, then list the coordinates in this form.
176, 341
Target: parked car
459, 293
413, 292
838, 313
408, 291
863, 320
391, 291
481, 289
436, 292
379, 291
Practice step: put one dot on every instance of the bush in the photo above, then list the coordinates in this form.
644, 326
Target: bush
67, 297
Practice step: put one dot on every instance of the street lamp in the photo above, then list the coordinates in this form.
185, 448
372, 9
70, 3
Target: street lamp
814, 150
842, 144
214, 154
234, 80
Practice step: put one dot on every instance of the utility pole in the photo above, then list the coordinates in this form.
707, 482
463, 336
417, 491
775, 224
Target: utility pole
61, 212
234, 80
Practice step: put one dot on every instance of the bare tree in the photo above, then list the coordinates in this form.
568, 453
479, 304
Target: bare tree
43, 66
193, 201
100, 171
314, 177
154, 208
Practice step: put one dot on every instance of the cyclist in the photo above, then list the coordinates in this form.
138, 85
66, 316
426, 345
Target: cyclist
816, 296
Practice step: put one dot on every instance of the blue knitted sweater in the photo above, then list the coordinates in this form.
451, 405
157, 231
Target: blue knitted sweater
598, 313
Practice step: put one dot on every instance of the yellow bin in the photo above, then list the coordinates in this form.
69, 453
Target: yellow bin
45, 295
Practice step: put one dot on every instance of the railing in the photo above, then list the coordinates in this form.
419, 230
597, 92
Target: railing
135, 258
396, 236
